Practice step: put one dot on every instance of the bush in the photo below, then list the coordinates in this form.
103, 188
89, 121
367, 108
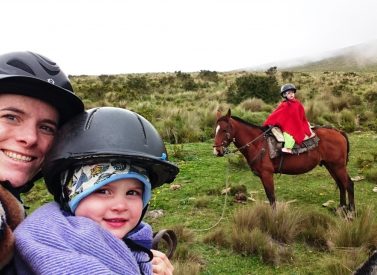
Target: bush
187, 83
209, 76
244, 87
287, 76
137, 82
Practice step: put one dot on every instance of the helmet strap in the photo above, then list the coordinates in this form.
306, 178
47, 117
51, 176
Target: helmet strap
63, 198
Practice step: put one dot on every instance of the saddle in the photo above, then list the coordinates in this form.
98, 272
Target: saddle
275, 141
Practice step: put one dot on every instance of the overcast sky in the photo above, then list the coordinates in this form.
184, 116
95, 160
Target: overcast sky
119, 36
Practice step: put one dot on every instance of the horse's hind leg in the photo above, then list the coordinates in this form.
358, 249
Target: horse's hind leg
344, 184
351, 194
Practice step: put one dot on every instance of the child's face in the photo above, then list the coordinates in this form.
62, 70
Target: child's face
116, 206
290, 95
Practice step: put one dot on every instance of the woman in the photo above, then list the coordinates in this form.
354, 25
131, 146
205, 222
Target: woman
36, 97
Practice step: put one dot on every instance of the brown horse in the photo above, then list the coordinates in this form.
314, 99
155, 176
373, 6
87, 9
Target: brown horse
331, 152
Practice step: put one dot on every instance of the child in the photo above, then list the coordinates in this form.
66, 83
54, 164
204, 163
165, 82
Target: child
101, 171
290, 117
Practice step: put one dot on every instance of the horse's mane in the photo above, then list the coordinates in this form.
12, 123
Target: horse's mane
248, 123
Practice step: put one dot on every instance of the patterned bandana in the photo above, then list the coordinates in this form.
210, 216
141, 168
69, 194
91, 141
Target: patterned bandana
89, 178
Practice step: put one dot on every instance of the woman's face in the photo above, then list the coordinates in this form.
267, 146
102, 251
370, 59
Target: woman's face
27, 130
116, 207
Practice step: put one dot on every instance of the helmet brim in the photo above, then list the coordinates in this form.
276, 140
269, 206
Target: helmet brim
67, 104
160, 171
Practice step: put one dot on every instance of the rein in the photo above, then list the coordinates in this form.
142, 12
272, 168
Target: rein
251, 142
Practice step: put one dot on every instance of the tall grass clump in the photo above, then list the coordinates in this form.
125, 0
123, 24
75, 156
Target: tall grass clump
358, 232
180, 126
314, 229
185, 259
347, 120
282, 223
256, 242
371, 175
253, 104
264, 231
344, 261
314, 111
185, 268
219, 237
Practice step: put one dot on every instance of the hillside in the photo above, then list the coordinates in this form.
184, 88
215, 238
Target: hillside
182, 106
361, 57
357, 58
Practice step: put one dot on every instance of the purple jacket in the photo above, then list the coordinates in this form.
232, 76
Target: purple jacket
50, 241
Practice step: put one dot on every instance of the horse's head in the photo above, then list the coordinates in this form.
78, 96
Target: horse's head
223, 135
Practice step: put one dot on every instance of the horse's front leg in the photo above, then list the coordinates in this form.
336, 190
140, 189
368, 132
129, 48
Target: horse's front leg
268, 184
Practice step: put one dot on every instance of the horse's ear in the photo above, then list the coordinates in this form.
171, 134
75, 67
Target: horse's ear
228, 114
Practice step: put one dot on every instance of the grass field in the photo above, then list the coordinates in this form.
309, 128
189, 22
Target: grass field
197, 208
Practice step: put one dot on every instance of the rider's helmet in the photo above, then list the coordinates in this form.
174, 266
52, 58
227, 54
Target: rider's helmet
287, 87
31, 74
106, 135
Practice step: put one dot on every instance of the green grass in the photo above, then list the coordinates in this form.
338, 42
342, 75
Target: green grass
198, 204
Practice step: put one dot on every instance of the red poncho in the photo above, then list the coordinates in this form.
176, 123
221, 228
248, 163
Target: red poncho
290, 117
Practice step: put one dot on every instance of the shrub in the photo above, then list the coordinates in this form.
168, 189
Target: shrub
370, 96
263, 87
272, 71
186, 81
287, 76
137, 83
209, 75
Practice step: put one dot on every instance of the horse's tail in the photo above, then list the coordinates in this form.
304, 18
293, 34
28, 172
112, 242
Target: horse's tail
348, 144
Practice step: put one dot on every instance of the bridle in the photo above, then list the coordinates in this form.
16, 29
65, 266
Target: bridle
225, 143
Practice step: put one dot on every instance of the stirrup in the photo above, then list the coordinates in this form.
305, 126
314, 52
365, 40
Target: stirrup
170, 239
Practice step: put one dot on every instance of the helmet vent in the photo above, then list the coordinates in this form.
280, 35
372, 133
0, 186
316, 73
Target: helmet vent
20, 65
142, 127
90, 118
50, 71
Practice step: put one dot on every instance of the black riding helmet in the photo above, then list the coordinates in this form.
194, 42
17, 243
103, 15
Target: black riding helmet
31, 74
287, 87
107, 134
